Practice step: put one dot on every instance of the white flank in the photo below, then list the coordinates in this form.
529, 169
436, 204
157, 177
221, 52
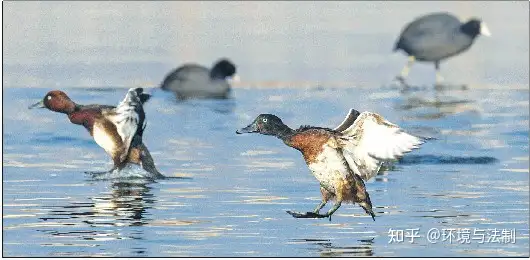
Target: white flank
329, 168
371, 140
103, 139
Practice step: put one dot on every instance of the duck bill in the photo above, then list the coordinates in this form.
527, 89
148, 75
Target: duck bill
39, 104
484, 29
249, 129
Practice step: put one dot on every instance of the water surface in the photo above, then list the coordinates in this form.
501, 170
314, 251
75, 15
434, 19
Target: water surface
474, 175
307, 62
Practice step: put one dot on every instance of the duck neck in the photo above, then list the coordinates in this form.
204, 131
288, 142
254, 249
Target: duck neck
70, 108
284, 133
66, 108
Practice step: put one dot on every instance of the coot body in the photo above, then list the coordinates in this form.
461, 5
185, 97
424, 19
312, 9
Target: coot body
196, 81
435, 37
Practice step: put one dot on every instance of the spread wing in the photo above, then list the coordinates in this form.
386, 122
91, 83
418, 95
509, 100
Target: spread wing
348, 121
370, 140
127, 119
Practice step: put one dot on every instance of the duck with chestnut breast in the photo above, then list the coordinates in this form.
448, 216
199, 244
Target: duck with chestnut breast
118, 130
341, 158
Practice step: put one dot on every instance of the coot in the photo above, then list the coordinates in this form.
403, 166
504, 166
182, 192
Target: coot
435, 37
196, 81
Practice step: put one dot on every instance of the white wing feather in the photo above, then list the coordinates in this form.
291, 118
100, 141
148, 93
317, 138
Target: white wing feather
126, 119
371, 140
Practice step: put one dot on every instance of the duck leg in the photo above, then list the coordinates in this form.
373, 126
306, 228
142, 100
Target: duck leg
319, 207
332, 210
326, 196
315, 214
119, 159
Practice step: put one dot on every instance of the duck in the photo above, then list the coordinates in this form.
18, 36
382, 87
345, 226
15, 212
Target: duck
342, 158
116, 129
436, 37
195, 81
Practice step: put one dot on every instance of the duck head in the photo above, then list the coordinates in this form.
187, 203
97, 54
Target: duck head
57, 101
267, 124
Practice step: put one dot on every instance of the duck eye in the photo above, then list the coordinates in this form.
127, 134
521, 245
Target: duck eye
264, 120
49, 97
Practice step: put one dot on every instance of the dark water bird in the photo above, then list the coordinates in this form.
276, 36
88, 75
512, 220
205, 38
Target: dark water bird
341, 158
436, 37
118, 130
195, 81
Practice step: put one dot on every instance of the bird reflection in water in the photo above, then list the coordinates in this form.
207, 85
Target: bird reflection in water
326, 248
444, 103
224, 107
125, 205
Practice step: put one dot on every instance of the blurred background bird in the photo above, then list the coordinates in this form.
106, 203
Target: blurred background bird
435, 37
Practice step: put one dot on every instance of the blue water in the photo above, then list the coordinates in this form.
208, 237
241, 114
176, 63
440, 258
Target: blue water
308, 63
473, 175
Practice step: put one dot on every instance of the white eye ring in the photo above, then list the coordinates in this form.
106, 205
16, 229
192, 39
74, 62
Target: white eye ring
49, 97
264, 120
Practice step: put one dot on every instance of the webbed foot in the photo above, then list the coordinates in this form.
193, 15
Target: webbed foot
306, 215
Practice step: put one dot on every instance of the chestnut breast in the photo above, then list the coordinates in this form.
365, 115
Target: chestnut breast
310, 142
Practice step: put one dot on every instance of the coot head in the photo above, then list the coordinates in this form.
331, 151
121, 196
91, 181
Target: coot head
223, 69
474, 27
